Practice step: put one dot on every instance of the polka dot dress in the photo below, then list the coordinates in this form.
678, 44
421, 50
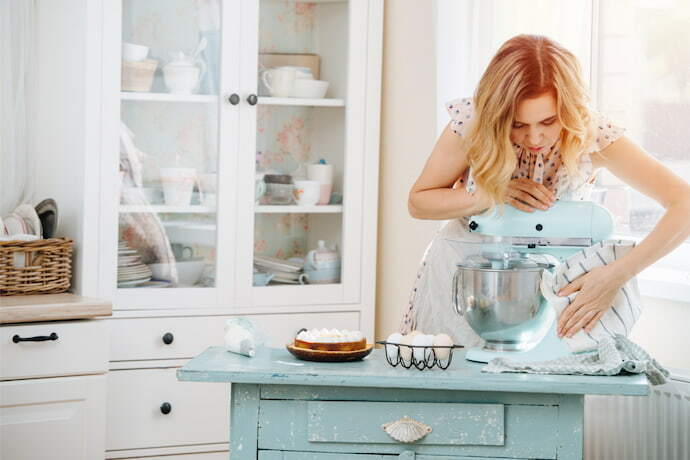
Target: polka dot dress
429, 307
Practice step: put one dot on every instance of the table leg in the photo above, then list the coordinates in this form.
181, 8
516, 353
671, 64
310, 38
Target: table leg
571, 422
244, 421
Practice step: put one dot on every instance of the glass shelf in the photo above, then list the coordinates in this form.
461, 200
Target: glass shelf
301, 101
167, 209
266, 209
168, 97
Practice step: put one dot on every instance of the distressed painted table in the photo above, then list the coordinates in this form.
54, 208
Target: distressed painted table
285, 409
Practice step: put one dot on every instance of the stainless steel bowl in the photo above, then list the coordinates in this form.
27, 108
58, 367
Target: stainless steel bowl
503, 306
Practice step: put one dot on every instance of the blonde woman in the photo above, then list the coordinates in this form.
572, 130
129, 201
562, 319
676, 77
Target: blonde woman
527, 138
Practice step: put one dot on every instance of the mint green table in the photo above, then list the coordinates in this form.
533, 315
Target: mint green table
285, 409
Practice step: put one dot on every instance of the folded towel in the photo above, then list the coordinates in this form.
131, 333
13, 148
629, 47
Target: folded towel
614, 355
626, 308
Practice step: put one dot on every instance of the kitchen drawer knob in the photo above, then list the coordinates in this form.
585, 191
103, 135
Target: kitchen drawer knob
252, 99
166, 408
38, 338
234, 99
406, 429
168, 338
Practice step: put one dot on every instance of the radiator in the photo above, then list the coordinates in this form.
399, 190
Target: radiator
654, 427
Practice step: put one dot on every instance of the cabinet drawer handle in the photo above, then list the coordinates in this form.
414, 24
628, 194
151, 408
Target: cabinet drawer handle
252, 99
406, 429
234, 99
168, 338
166, 408
38, 338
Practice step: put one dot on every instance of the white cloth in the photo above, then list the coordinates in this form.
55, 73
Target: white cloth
614, 355
626, 308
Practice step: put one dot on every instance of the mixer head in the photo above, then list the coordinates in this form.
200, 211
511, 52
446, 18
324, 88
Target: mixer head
567, 224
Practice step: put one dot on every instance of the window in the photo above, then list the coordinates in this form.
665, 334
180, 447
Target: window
635, 55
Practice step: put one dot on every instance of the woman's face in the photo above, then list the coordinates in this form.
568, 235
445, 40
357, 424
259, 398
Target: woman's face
536, 126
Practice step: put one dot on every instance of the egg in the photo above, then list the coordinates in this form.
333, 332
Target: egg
406, 352
422, 340
443, 340
392, 350
413, 334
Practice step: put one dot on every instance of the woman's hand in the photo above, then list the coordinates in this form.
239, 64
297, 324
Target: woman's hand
596, 292
526, 195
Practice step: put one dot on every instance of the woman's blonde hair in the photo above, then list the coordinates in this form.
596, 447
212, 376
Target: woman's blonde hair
525, 67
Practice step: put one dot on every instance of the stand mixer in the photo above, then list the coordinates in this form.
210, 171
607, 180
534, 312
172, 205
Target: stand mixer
496, 287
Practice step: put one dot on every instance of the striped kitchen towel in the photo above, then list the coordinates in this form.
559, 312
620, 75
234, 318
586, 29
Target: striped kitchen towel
614, 355
626, 308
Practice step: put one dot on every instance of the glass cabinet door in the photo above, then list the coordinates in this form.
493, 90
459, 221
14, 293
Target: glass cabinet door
298, 160
170, 144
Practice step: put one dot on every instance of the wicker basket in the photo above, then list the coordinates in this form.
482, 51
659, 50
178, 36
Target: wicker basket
138, 75
35, 267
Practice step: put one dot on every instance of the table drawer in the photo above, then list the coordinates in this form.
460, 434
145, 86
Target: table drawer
198, 414
79, 347
362, 422
458, 429
143, 338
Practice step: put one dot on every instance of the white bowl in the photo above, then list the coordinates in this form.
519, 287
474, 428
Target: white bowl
188, 272
134, 52
309, 89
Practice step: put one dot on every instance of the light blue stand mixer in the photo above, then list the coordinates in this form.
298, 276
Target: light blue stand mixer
496, 286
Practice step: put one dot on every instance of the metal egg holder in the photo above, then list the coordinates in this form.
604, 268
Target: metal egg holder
430, 360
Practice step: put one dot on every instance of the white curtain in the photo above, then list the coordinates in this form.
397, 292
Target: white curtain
16, 61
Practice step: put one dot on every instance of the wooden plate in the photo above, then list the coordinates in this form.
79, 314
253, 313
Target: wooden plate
329, 356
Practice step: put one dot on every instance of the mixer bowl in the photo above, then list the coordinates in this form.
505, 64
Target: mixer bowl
503, 306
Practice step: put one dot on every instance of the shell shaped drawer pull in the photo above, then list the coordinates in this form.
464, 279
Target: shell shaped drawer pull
406, 429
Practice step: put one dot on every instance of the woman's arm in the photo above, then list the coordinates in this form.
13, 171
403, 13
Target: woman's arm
644, 173
599, 287
432, 196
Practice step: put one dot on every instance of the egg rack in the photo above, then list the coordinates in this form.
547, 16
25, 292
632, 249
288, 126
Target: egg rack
429, 355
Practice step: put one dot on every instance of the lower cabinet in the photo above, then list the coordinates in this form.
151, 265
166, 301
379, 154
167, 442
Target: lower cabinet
150, 414
149, 408
59, 418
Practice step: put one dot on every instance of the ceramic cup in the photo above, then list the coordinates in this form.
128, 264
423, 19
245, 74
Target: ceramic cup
323, 174
322, 276
307, 192
279, 81
177, 185
309, 89
133, 52
181, 79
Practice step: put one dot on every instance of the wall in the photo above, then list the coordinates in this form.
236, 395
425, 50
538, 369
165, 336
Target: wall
408, 133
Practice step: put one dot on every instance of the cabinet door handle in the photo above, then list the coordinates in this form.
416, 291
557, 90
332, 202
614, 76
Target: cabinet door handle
234, 99
252, 99
166, 408
38, 338
168, 338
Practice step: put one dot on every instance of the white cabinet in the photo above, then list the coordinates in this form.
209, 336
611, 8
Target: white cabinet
61, 418
188, 211
197, 154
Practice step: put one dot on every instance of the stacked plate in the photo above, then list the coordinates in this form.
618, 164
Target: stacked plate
284, 271
131, 271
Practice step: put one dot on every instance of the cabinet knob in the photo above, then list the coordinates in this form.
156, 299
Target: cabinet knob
168, 338
252, 99
234, 99
166, 408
